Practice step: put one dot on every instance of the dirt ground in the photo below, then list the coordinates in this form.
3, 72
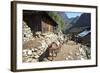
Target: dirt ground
69, 51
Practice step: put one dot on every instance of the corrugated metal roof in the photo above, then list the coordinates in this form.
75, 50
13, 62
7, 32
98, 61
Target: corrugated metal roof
84, 33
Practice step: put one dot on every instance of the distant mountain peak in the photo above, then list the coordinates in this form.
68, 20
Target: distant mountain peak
84, 20
73, 20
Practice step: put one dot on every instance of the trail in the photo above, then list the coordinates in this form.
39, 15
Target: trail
69, 51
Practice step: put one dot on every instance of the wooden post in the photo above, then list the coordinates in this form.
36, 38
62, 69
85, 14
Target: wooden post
49, 27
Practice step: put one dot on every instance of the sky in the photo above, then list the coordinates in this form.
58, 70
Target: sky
73, 14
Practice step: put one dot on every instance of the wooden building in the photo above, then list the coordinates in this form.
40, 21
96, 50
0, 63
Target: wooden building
39, 21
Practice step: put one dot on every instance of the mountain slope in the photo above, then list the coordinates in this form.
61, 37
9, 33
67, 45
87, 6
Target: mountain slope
73, 20
84, 20
81, 24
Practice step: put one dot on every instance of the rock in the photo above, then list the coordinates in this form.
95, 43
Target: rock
36, 57
39, 52
29, 52
24, 52
70, 58
77, 54
29, 60
66, 58
38, 33
27, 34
85, 52
35, 49
35, 53
34, 60
32, 49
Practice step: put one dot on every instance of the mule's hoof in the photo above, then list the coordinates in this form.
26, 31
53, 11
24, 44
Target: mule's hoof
50, 58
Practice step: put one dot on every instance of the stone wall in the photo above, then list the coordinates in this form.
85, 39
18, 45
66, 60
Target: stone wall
35, 47
26, 32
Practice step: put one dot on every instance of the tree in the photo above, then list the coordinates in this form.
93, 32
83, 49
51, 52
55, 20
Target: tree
57, 18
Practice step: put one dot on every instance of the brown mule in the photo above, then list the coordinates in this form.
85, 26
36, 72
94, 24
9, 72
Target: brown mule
53, 49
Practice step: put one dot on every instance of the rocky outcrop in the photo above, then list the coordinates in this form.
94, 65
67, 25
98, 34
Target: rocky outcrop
26, 32
85, 52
